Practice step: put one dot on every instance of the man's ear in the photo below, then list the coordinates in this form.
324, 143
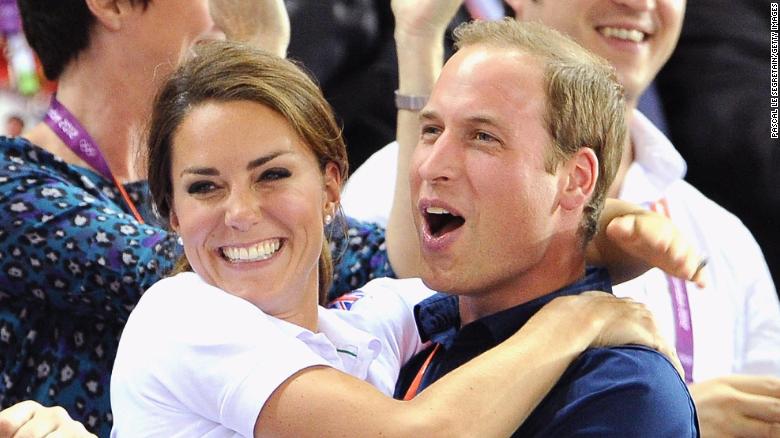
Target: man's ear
109, 13
581, 172
518, 7
332, 186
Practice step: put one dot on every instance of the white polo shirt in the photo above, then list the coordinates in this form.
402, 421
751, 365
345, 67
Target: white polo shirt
195, 361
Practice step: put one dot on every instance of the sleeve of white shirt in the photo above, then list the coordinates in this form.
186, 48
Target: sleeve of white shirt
389, 304
201, 350
761, 351
368, 194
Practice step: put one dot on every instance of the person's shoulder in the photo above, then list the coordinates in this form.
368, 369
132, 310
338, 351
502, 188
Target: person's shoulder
632, 360
639, 374
712, 224
700, 206
32, 170
19, 152
185, 310
616, 392
389, 292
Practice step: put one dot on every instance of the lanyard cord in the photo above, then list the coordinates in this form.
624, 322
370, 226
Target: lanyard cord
412, 391
680, 307
78, 140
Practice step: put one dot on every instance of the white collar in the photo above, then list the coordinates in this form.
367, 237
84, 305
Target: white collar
657, 164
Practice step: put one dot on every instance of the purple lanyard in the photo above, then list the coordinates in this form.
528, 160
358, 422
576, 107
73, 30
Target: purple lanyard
70, 131
67, 127
681, 308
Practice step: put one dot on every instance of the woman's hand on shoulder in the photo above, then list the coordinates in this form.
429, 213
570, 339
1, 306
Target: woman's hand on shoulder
608, 321
29, 419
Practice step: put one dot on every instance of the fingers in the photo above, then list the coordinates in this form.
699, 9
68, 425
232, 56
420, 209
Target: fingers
654, 239
28, 419
14, 417
760, 385
737, 406
751, 427
761, 407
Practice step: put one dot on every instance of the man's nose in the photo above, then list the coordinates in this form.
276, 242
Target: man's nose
440, 161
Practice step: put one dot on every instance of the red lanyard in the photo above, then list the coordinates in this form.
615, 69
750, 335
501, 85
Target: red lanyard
412, 391
680, 307
75, 137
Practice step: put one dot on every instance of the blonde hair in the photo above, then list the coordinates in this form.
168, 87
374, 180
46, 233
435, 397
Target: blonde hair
585, 101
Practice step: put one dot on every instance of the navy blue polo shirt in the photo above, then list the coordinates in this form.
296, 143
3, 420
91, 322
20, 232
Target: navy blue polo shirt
628, 391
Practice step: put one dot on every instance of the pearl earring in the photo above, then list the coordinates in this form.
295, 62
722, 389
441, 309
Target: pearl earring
328, 219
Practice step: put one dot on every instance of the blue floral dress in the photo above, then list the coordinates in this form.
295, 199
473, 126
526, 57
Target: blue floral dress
73, 263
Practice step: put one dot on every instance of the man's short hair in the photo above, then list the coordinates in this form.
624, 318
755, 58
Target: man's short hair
58, 30
585, 102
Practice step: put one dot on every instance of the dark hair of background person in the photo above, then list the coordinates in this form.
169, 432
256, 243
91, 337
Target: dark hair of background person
715, 93
58, 30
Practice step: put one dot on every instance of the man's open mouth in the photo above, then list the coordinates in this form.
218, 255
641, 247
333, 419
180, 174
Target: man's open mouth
440, 221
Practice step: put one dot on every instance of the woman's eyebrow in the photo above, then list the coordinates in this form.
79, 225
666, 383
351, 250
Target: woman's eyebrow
264, 159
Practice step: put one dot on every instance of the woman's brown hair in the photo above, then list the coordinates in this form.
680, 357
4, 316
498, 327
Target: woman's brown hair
222, 71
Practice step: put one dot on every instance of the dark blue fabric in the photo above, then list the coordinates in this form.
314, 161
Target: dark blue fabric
73, 263
359, 255
607, 392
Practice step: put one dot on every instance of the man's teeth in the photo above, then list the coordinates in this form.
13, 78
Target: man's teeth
436, 210
623, 34
260, 251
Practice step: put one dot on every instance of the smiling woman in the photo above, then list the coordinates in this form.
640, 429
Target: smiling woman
246, 163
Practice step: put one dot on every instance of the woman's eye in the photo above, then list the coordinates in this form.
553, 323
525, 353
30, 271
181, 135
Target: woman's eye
200, 187
274, 174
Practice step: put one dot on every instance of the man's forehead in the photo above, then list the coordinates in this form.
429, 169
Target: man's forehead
483, 81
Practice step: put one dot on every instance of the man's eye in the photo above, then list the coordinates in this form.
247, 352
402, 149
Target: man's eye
200, 187
429, 131
274, 174
483, 136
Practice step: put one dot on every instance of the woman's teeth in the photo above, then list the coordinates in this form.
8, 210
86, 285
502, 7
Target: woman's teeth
257, 252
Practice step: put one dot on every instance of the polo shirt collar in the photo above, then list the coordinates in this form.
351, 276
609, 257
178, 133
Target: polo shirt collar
438, 318
657, 164
342, 345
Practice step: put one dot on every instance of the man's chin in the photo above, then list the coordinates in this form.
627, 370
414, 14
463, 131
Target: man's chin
440, 280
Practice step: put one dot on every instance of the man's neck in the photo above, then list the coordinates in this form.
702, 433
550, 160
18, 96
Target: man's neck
112, 107
548, 275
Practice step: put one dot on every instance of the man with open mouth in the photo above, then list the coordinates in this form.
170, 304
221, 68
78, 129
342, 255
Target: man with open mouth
519, 142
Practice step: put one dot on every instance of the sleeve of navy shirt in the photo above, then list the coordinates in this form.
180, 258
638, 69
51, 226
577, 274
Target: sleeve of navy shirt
616, 392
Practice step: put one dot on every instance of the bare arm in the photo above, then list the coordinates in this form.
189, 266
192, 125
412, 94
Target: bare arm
738, 405
30, 419
631, 240
261, 23
488, 396
419, 37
